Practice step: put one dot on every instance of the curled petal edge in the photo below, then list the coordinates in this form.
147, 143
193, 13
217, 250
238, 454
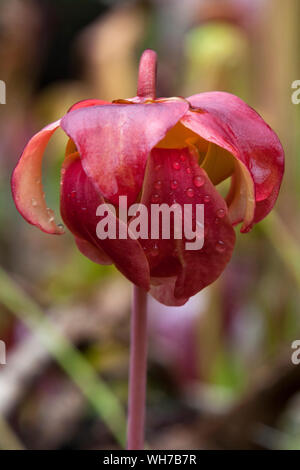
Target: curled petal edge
26, 180
227, 121
27, 186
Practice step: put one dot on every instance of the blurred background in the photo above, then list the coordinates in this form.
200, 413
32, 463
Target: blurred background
220, 374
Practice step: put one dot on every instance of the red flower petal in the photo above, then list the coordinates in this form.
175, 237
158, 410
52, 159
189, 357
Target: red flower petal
227, 121
79, 202
173, 176
95, 254
27, 183
27, 186
114, 142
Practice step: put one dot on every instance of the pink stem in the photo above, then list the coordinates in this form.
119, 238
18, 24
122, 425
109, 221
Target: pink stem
137, 371
147, 75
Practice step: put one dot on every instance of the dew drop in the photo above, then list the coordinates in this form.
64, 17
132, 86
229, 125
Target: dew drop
220, 246
33, 202
188, 170
155, 198
190, 192
158, 167
158, 184
176, 165
206, 198
198, 181
61, 227
154, 250
182, 158
217, 220
220, 213
73, 193
174, 184
50, 215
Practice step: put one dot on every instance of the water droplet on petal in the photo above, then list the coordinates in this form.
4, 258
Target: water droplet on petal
198, 181
176, 165
158, 167
73, 193
50, 214
182, 158
158, 185
190, 192
206, 198
33, 202
174, 184
220, 246
154, 250
155, 198
61, 227
220, 213
188, 170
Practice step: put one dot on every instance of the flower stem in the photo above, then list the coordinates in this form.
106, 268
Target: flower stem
137, 371
147, 75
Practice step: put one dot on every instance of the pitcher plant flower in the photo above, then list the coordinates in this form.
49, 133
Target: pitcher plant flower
157, 151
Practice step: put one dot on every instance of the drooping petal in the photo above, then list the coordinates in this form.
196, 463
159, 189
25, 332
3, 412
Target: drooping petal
225, 120
177, 272
79, 203
27, 183
114, 142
